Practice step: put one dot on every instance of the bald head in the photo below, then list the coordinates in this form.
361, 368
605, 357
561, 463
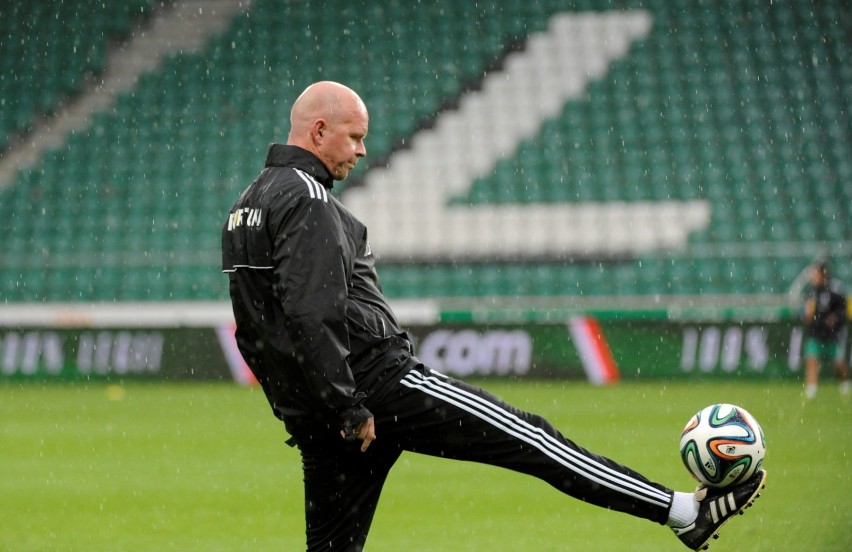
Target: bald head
324, 99
330, 120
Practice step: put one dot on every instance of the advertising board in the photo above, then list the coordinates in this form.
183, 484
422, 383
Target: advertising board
602, 351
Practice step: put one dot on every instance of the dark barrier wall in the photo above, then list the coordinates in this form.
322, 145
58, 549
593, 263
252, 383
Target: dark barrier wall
581, 347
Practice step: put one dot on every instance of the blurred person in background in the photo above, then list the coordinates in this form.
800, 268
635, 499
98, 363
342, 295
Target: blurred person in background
824, 316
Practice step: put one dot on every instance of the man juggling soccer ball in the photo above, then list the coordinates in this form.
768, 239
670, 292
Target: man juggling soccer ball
317, 332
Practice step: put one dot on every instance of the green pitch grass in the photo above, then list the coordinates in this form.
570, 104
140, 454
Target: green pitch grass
204, 467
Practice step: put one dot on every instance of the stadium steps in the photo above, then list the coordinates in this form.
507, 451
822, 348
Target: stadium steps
184, 26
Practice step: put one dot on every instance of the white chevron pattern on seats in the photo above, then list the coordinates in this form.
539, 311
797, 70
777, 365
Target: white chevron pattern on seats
405, 204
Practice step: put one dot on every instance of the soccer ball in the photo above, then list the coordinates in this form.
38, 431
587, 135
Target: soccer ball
722, 445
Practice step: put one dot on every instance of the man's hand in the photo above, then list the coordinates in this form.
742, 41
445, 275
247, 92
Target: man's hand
365, 431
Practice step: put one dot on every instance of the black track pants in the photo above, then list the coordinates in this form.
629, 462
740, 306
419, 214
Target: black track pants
439, 416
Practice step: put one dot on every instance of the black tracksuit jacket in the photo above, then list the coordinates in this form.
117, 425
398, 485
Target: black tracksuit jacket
312, 323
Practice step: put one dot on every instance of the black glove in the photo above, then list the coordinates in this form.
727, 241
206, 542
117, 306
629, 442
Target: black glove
352, 418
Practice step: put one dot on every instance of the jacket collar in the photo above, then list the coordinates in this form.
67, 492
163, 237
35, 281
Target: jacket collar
281, 155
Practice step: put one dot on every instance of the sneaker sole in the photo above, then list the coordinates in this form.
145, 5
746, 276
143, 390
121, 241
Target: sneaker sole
755, 495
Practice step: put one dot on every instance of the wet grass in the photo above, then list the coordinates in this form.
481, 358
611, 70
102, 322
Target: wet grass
204, 467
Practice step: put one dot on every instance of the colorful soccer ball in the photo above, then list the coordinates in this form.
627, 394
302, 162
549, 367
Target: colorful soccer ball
722, 445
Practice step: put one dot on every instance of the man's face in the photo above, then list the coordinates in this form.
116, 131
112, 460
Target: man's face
343, 143
818, 277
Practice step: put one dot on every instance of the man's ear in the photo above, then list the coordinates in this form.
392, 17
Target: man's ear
318, 129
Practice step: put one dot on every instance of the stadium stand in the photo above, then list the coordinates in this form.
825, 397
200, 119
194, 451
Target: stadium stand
737, 105
49, 49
